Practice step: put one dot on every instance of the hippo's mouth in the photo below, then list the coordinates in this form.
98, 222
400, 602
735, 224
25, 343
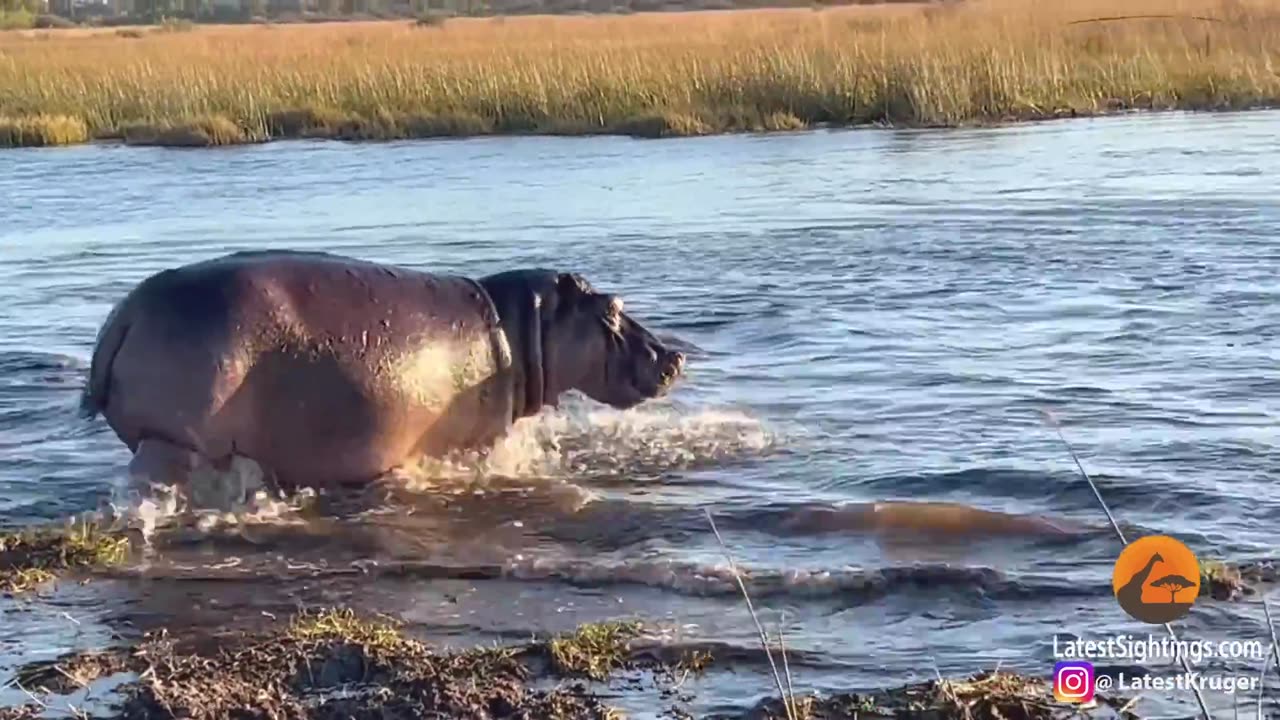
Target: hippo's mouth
671, 373
659, 384
640, 382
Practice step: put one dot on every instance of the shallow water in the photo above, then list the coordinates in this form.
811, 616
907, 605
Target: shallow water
870, 315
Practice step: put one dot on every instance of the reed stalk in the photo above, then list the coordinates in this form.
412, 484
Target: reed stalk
1186, 666
788, 701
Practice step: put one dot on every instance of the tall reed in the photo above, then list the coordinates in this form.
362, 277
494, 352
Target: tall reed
954, 63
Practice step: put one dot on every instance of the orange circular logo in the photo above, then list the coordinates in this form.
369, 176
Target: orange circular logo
1156, 579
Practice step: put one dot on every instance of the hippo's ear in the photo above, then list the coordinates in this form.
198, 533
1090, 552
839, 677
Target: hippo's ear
572, 286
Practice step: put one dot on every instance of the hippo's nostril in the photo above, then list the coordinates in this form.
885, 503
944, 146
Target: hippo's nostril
675, 365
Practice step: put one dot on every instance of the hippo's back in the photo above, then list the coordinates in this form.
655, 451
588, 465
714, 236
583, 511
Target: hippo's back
313, 293
314, 364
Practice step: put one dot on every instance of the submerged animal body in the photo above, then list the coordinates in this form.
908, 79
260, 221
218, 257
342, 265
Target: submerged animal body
326, 369
939, 520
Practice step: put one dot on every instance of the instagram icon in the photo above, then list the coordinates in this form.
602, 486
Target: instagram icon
1073, 681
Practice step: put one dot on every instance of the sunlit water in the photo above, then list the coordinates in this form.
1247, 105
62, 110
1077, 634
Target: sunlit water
870, 316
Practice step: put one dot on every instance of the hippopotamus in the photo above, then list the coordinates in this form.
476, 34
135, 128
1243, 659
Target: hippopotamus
329, 370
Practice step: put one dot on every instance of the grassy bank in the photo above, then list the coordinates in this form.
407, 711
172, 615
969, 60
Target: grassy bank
328, 664
335, 664
648, 75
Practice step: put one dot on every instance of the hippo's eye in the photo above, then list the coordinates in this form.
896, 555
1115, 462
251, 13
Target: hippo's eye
612, 317
613, 323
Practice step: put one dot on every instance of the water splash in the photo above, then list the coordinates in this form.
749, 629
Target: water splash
581, 440
599, 441
550, 455
210, 500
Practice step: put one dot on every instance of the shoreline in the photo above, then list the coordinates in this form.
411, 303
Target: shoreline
111, 26
337, 662
976, 63
198, 136
332, 662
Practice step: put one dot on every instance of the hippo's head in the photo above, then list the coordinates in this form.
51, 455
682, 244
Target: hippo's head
568, 336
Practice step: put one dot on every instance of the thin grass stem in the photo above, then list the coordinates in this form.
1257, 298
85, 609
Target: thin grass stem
746, 597
1186, 665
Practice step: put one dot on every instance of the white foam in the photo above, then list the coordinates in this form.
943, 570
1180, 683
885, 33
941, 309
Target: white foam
594, 439
211, 499
554, 451
550, 455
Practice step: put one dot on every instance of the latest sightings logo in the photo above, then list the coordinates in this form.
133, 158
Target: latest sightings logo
1156, 579
1073, 681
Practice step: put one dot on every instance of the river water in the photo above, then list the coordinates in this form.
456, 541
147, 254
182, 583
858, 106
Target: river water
871, 316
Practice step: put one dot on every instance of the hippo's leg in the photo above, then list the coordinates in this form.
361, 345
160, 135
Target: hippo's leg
159, 462
222, 483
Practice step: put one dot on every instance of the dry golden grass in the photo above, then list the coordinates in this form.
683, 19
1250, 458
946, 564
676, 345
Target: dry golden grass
654, 74
41, 130
205, 131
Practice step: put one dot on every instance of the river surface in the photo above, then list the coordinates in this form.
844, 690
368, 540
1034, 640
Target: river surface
870, 315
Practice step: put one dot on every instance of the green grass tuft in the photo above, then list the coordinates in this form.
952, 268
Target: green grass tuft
1222, 581
343, 625
31, 557
593, 650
